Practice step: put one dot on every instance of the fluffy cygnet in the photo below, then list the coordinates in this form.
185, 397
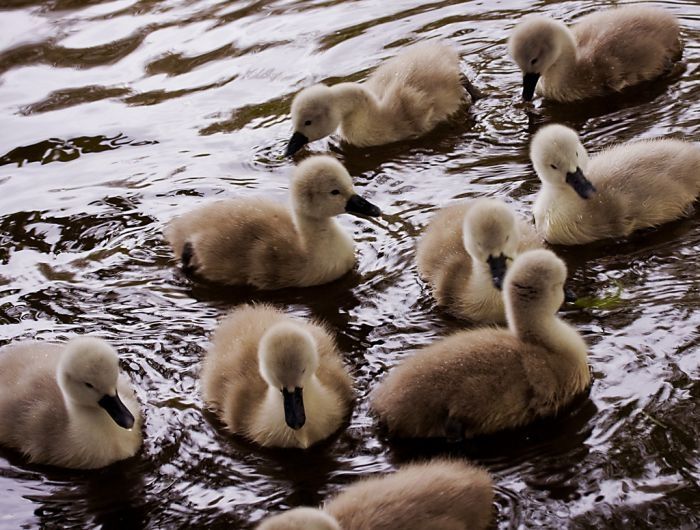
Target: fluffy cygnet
486, 380
441, 494
619, 190
603, 52
66, 404
404, 98
464, 254
261, 243
276, 380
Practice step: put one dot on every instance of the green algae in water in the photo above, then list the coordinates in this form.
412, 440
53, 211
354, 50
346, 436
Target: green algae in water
609, 300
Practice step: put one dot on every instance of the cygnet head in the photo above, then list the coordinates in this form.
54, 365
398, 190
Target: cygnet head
490, 236
534, 284
300, 519
535, 45
88, 373
288, 360
314, 116
560, 160
322, 188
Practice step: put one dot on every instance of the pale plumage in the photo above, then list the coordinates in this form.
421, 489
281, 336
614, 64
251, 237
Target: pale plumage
276, 380
261, 243
603, 52
404, 98
464, 253
66, 404
441, 494
619, 190
486, 380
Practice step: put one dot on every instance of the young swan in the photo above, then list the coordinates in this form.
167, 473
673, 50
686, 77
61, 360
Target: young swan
444, 494
260, 243
619, 190
61, 404
404, 98
486, 380
276, 380
602, 52
464, 254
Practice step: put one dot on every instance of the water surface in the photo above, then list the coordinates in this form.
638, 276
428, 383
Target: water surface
119, 115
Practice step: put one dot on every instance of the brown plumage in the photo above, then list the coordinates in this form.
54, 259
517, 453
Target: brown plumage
625, 187
602, 52
441, 494
406, 97
261, 243
486, 380
49, 413
454, 251
234, 381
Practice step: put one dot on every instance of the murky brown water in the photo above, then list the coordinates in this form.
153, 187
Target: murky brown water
118, 115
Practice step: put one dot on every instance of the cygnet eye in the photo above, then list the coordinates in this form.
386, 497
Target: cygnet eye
534, 61
335, 192
307, 122
89, 385
553, 166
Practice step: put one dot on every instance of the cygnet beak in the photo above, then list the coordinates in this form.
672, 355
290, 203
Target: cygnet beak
294, 414
117, 410
296, 142
569, 295
498, 269
581, 184
529, 84
358, 206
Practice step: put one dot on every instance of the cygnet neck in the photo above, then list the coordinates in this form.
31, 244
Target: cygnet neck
311, 228
360, 113
533, 323
481, 273
539, 325
354, 97
565, 64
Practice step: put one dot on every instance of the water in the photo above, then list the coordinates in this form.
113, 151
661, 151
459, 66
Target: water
119, 115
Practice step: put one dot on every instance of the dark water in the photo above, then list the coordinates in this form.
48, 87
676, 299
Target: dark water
116, 116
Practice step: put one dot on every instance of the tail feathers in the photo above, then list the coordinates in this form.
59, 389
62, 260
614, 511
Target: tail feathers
187, 259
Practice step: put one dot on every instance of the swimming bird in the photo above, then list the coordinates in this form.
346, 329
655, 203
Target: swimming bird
66, 404
486, 380
405, 97
261, 243
276, 380
603, 52
623, 188
465, 251
440, 494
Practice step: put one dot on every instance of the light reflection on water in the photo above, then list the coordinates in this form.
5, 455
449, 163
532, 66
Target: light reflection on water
119, 115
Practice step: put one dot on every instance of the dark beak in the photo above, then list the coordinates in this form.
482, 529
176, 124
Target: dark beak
580, 183
296, 142
359, 206
529, 84
117, 410
294, 414
498, 270
569, 295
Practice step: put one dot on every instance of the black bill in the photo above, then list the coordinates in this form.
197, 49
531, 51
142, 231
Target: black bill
569, 295
296, 142
294, 414
498, 269
581, 184
359, 206
529, 84
117, 410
